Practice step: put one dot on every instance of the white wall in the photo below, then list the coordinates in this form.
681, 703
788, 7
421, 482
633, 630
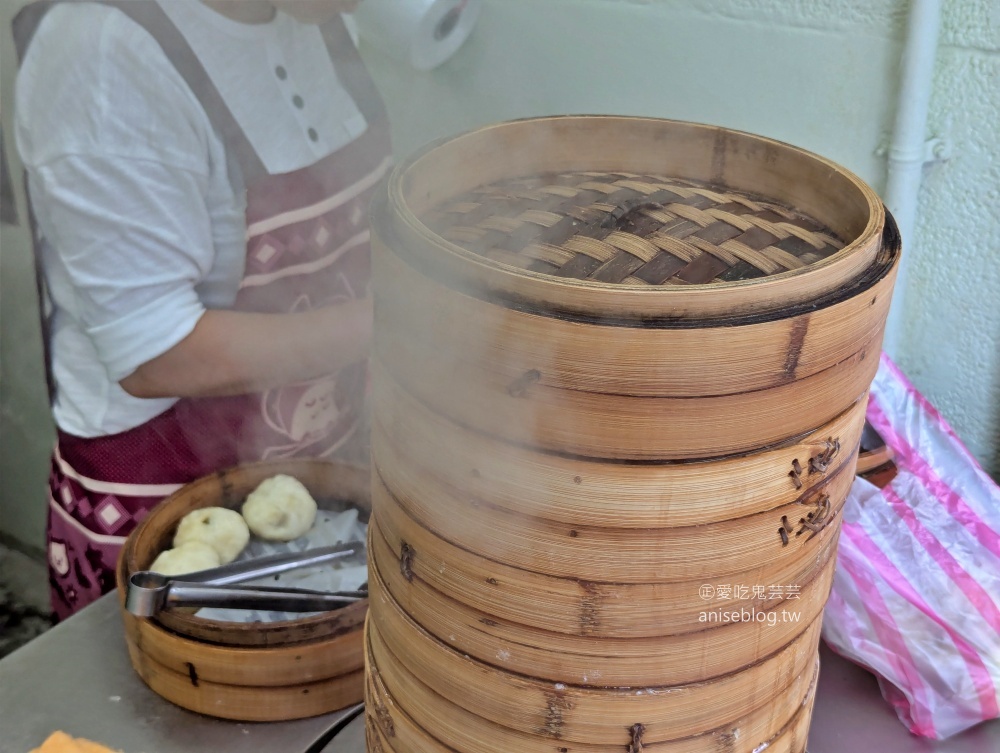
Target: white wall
817, 73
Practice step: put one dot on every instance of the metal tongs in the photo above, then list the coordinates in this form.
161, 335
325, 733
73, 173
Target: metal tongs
150, 592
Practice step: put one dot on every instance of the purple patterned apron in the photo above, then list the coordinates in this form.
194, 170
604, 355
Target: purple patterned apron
307, 246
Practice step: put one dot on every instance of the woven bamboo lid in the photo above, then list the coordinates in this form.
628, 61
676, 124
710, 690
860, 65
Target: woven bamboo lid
627, 218
631, 229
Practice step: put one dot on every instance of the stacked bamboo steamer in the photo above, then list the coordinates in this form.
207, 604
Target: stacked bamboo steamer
620, 375
258, 672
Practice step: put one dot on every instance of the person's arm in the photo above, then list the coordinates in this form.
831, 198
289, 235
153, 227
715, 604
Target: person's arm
232, 352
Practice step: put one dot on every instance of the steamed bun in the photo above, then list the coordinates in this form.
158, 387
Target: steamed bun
223, 530
186, 558
280, 509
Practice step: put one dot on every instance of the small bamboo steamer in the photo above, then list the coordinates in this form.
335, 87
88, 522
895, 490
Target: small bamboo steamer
570, 606
582, 714
653, 555
392, 714
247, 671
414, 444
715, 650
247, 703
333, 485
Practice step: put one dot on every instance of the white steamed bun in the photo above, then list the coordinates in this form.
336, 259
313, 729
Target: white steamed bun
280, 509
186, 558
223, 530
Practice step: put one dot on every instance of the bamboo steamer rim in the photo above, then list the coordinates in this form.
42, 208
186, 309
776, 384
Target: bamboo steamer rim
443, 727
563, 605
574, 490
710, 149
137, 554
718, 649
246, 703
590, 714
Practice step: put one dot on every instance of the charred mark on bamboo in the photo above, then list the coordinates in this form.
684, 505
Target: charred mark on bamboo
618, 215
589, 608
519, 387
727, 740
372, 737
555, 706
384, 720
406, 555
636, 731
192, 674
795, 341
488, 622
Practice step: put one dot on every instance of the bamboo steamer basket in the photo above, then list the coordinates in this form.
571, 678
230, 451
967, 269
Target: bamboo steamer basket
414, 445
585, 714
392, 714
617, 362
570, 606
271, 671
710, 651
650, 555
524, 408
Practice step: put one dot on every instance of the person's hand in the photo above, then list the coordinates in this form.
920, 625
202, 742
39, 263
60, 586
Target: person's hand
232, 352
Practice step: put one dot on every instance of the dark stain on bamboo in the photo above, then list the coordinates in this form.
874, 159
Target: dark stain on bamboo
373, 739
192, 674
555, 708
384, 719
795, 341
727, 740
590, 604
406, 555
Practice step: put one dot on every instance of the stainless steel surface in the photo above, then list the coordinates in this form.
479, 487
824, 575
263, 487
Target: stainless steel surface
77, 678
150, 592
351, 739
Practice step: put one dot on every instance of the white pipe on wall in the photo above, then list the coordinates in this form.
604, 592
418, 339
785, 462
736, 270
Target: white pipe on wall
907, 150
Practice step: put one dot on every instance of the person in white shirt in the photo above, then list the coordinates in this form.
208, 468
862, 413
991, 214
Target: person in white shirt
199, 172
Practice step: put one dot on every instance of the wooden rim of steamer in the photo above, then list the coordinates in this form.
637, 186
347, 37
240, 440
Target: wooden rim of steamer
571, 606
727, 358
636, 555
588, 715
783, 725
717, 649
410, 442
819, 188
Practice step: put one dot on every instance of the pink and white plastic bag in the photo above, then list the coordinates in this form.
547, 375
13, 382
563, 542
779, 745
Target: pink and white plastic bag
916, 595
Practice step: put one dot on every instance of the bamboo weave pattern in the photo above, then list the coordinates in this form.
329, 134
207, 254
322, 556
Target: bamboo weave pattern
631, 229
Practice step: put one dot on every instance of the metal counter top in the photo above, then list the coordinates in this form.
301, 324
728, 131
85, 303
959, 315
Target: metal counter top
77, 678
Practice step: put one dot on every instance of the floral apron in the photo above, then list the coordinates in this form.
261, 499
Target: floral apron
307, 247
